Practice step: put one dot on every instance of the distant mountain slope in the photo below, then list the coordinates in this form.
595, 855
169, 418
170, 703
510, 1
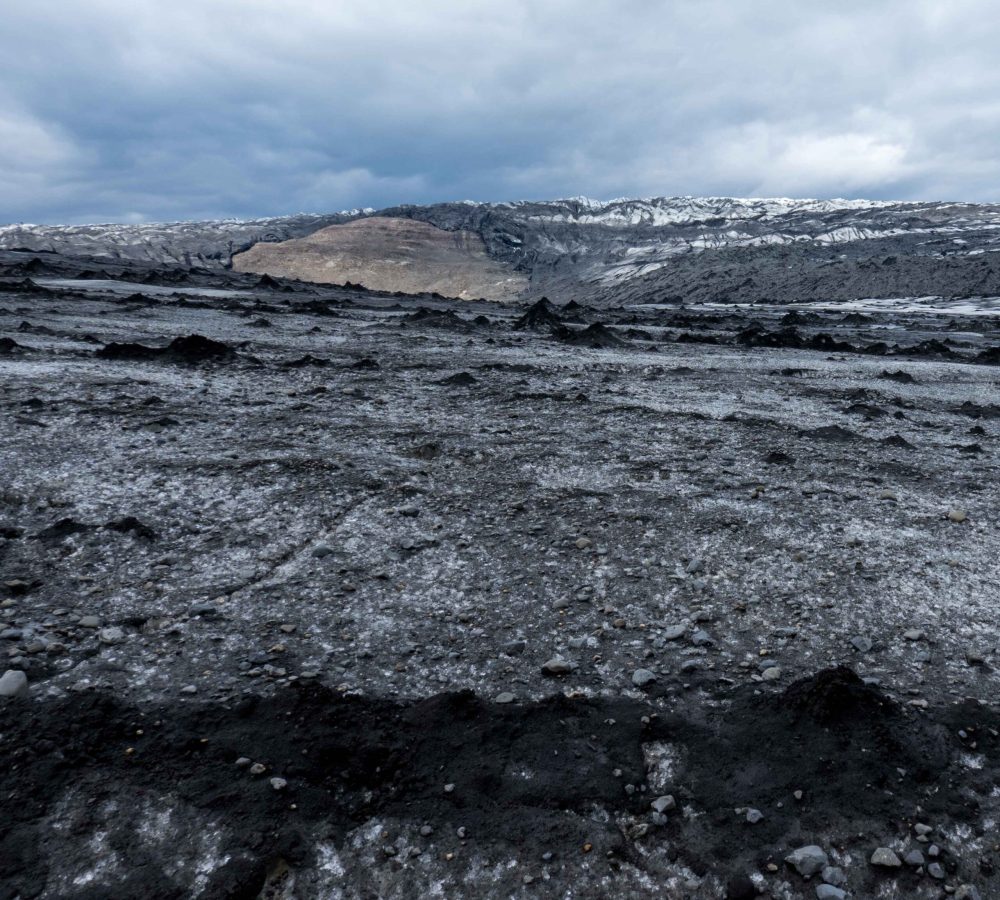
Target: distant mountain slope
390, 254
628, 251
208, 244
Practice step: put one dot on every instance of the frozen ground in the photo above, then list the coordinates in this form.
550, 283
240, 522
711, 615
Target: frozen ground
362, 513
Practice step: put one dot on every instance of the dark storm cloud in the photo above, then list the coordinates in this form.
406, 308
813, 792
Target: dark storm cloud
116, 110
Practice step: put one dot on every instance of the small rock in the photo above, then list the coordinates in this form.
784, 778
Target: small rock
89, 622
258, 769
884, 856
771, 673
189, 689
957, 515
582, 543
694, 566
914, 858
936, 870
834, 875
829, 892
13, 683
504, 697
113, 635
808, 860
449, 788
862, 643
279, 784
922, 829
204, 610
754, 816
561, 603
664, 804
243, 762
701, 638
558, 666
426, 831
674, 632
642, 678
913, 634
967, 892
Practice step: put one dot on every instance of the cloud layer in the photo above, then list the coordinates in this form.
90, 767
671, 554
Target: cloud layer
144, 110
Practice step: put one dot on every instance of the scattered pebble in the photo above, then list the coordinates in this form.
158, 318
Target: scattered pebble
884, 856
808, 860
642, 677
558, 666
13, 683
664, 804
829, 892
834, 875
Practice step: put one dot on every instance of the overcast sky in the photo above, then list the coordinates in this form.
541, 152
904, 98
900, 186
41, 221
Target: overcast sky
151, 110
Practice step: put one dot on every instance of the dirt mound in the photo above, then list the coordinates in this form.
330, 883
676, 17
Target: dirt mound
541, 316
595, 336
756, 336
190, 349
459, 379
898, 376
8, 346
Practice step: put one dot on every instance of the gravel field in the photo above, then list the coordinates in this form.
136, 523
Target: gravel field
356, 595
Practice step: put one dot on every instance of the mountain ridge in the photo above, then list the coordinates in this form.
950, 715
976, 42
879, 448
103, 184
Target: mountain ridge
627, 250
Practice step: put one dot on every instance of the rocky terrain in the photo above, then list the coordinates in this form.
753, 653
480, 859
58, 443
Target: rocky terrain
674, 249
314, 591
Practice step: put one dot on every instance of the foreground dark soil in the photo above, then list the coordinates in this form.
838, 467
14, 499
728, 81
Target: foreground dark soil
327, 593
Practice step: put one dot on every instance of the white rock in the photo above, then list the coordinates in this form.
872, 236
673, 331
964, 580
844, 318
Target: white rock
883, 856
13, 683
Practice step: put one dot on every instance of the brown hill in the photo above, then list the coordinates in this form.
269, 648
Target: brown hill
389, 255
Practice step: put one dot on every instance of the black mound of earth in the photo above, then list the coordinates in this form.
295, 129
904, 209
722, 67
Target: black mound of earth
459, 379
348, 760
10, 346
191, 349
899, 376
595, 336
307, 360
541, 316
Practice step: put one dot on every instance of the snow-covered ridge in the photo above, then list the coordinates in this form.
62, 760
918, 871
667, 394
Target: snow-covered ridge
659, 211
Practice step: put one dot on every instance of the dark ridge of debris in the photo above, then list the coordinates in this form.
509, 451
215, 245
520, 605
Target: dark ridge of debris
540, 316
595, 336
190, 349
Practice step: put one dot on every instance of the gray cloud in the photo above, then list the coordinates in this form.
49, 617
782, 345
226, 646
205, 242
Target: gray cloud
138, 109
